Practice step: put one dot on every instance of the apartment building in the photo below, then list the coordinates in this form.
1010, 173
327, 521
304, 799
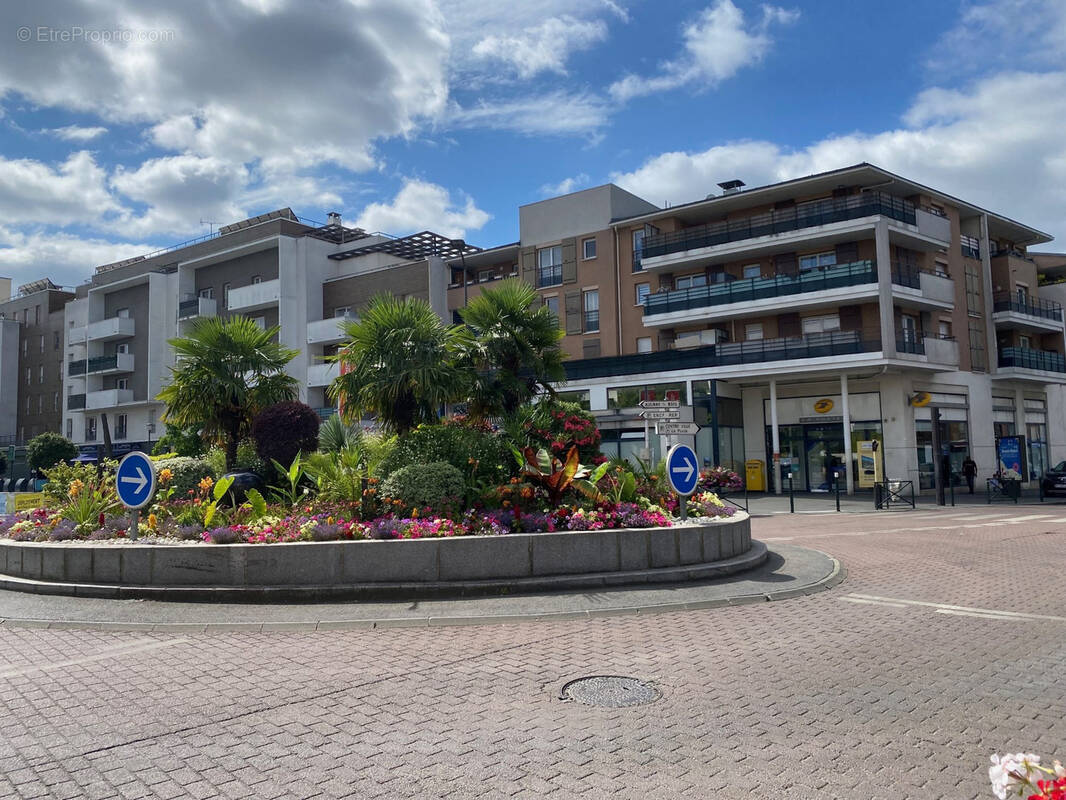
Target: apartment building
31, 359
800, 321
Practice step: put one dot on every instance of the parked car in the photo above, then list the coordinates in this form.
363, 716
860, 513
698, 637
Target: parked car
1054, 481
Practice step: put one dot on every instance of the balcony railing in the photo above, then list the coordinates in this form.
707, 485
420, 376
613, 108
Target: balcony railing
971, 247
1026, 358
76, 368
75, 402
815, 345
1034, 307
197, 307
549, 276
119, 362
910, 342
807, 215
749, 289
592, 321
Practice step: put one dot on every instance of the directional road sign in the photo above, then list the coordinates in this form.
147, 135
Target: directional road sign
677, 428
660, 403
135, 480
682, 469
664, 413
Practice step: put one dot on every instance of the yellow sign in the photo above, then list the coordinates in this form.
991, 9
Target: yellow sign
24, 501
823, 406
921, 399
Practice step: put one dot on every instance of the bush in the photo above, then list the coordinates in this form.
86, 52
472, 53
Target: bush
432, 484
283, 430
49, 449
59, 478
187, 473
3, 463
556, 426
183, 440
479, 454
247, 460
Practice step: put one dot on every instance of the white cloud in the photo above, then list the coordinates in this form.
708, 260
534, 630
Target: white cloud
76, 133
717, 45
565, 186
998, 144
420, 205
554, 113
65, 258
544, 48
72, 192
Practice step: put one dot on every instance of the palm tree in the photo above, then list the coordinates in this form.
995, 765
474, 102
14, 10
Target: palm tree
226, 372
512, 348
399, 363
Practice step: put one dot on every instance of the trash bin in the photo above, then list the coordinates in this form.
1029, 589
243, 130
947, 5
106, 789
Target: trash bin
1012, 488
755, 475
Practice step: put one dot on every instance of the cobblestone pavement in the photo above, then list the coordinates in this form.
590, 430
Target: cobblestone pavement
946, 642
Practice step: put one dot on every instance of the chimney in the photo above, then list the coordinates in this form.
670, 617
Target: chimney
731, 187
333, 218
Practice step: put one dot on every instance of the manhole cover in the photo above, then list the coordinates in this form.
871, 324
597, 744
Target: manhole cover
610, 691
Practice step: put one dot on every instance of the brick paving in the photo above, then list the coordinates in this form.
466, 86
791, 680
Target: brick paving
813, 697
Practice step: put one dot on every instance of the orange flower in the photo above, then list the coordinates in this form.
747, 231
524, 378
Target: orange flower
165, 475
206, 483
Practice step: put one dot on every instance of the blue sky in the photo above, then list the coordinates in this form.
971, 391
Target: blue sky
123, 125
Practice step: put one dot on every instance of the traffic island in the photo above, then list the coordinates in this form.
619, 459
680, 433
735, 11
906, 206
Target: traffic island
368, 569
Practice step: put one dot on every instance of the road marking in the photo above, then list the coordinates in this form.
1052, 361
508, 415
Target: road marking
872, 602
1016, 615
141, 646
975, 614
1017, 520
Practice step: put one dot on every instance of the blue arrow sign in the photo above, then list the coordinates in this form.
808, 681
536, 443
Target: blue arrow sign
135, 480
682, 469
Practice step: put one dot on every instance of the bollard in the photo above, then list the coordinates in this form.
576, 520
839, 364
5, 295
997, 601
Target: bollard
836, 484
951, 484
791, 495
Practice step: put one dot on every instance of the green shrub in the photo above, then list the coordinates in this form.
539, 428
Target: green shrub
59, 478
432, 484
49, 449
480, 455
247, 460
187, 471
183, 440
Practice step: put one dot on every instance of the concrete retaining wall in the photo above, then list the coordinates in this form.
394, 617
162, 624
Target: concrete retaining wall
532, 560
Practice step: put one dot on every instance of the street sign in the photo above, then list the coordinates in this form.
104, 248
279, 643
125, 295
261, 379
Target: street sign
677, 428
669, 413
660, 403
682, 469
135, 480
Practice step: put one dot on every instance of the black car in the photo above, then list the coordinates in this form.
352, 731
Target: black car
1054, 481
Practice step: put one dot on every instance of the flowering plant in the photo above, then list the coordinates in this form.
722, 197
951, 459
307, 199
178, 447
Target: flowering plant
1021, 773
708, 504
720, 478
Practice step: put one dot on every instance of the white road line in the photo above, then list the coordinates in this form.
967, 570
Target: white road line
140, 646
1017, 520
872, 602
976, 614
1012, 614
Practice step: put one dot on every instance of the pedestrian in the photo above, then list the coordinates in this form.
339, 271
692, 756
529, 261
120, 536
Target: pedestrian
969, 469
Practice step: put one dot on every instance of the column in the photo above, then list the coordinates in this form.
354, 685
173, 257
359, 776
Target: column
884, 289
1019, 425
775, 438
849, 477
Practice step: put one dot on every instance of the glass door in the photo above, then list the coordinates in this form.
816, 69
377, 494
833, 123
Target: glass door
824, 451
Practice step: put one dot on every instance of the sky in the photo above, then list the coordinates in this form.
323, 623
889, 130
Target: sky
133, 125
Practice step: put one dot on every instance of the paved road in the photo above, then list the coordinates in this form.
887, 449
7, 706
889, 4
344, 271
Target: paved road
946, 642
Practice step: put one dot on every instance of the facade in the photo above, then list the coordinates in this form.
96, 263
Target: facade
799, 324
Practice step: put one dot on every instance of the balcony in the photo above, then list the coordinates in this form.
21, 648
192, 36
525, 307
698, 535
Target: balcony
76, 335
255, 297
325, 413
761, 351
1023, 362
970, 246
197, 307
1028, 313
931, 350
108, 398
75, 402
932, 289
112, 328
807, 215
319, 375
109, 365
328, 331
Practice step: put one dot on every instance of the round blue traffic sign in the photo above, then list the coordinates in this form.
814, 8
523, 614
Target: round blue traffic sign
682, 469
135, 480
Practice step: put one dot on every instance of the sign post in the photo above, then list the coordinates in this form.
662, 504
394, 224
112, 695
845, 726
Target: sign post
135, 485
656, 406
682, 473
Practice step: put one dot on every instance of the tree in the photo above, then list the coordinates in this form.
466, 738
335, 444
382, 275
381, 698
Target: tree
226, 372
399, 363
511, 349
184, 440
49, 449
284, 430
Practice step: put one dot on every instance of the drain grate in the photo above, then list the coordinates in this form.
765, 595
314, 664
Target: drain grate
610, 691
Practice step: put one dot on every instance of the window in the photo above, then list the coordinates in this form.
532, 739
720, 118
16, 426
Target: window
208, 293
36, 315
122, 348
1024, 342
550, 266
260, 322
40, 403
257, 279
638, 250
753, 271
690, 281
55, 401
25, 344
553, 304
90, 429
753, 331
225, 295
342, 311
70, 428
817, 260
484, 275
28, 404
830, 322
944, 329
123, 313
644, 344
55, 343
40, 374
29, 376
588, 249
592, 310
120, 426
1023, 294
122, 383
643, 290
42, 342
909, 327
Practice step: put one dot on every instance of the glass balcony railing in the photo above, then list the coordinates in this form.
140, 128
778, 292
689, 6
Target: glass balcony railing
749, 289
1034, 307
75, 402
1027, 358
806, 215
815, 345
76, 367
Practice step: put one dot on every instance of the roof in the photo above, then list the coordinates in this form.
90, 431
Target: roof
416, 247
